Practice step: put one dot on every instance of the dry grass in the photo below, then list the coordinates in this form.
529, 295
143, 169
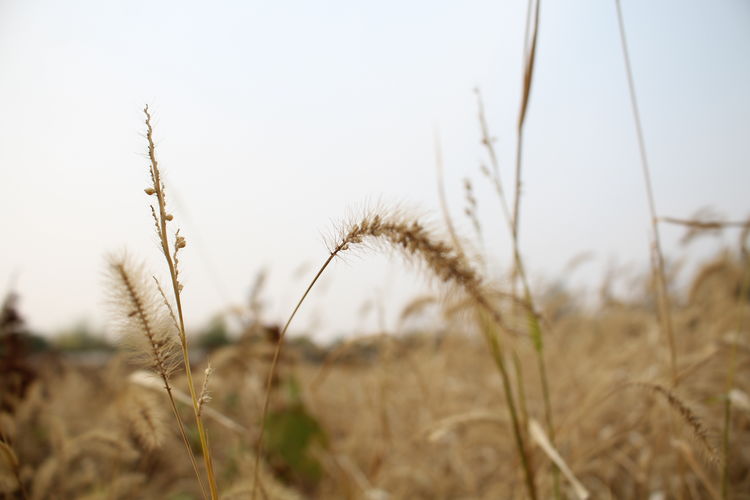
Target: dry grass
405, 414
421, 417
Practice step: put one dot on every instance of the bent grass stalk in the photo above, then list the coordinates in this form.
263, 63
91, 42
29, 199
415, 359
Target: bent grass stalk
161, 220
415, 242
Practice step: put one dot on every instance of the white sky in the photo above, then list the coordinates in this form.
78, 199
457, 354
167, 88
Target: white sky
276, 118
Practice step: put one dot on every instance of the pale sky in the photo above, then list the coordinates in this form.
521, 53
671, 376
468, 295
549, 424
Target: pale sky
276, 119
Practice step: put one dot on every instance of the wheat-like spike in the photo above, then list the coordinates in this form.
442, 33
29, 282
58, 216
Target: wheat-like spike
471, 208
141, 319
699, 430
145, 420
415, 242
156, 219
168, 305
205, 395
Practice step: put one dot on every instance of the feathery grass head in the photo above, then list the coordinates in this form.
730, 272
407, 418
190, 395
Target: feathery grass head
141, 318
688, 416
412, 239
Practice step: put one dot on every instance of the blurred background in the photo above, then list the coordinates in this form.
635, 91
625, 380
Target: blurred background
276, 120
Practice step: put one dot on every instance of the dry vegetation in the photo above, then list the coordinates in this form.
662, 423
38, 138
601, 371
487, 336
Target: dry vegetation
509, 393
407, 416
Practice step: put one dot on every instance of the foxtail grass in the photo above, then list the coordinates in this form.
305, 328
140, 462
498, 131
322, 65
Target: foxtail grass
443, 262
147, 329
687, 415
151, 324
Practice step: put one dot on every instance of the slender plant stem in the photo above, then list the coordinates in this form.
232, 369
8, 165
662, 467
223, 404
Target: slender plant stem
491, 338
518, 433
529, 50
162, 226
185, 440
520, 272
272, 370
661, 281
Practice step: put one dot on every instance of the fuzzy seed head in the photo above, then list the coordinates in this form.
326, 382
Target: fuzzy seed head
141, 318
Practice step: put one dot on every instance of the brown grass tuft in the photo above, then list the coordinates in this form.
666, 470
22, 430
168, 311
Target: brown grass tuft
693, 421
414, 241
141, 318
145, 418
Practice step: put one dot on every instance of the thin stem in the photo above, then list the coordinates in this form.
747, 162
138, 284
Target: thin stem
417, 241
162, 227
274, 363
529, 56
661, 281
520, 272
184, 437
160, 361
497, 356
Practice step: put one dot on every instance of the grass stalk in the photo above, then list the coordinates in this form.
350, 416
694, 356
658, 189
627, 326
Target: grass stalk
447, 265
535, 327
530, 40
665, 314
161, 220
158, 346
496, 352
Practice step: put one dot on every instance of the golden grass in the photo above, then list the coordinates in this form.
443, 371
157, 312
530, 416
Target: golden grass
421, 419
414, 415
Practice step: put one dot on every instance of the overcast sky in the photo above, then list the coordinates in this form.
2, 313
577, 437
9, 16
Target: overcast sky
276, 119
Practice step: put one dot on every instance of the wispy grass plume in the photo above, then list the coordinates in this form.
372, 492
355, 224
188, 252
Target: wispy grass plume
146, 326
414, 241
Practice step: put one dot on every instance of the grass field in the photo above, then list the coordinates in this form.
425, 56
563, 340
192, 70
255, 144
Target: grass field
490, 387
419, 415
